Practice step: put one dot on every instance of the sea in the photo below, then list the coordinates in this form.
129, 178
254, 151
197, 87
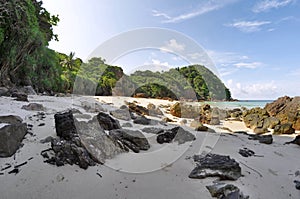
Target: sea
239, 104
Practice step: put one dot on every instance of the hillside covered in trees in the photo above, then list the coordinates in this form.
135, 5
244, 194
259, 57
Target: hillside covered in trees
26, 28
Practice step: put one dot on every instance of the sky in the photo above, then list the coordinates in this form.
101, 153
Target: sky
254, 45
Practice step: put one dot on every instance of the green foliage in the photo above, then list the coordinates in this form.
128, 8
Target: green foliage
103, 75
190, 82
26, 29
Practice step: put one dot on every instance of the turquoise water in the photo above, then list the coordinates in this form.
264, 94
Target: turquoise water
239, 104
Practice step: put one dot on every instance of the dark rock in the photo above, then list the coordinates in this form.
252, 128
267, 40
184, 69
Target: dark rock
4, 91
165, 137
178, 134
127, 124
264, 139
201, 128
246, 152
99, 145
153, 130
142, 120
10, 119
133, 107
46, 140
107, 122
14, 171
64, 125
20, 96
166, 119
297, 184
225, 191
283, 129
214, 165
33, 107
182, 135
295, 141
134, 140
121, 114
241, 132
11, 137
67, 152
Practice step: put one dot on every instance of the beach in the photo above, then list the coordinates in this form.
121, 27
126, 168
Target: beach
160, 172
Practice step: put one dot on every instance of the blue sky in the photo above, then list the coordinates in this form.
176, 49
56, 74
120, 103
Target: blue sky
255, 45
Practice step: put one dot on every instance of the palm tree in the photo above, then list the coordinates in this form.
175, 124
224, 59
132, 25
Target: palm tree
68, 62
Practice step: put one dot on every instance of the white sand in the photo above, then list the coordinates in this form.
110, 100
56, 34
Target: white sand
161, 172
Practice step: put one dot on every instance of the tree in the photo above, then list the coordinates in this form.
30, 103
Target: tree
25, 30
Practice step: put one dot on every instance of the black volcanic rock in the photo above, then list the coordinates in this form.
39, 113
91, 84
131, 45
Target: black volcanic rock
176, 134
107, 122
64, 125
214, 165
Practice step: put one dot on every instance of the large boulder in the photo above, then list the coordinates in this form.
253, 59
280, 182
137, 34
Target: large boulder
286, 109
4, 91
28, 90
10, 119
284, 129
99, 145
64, 125
214, 165
140, 110
154, 110
107, 122
176, 134
11, 137
183, 110
256, 117
122, 114
134, 140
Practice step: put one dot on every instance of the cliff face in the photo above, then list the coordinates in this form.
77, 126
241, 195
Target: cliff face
286, 109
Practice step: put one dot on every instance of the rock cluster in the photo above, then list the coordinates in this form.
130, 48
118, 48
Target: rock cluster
286, 109
67, 148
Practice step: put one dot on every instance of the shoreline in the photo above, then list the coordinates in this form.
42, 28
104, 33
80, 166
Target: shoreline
37, 179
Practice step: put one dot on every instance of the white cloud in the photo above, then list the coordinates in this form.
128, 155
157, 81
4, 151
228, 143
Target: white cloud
266, 5
250, 65
159, 63
295, 72
203, 8
261, 90
172, 46
248, 26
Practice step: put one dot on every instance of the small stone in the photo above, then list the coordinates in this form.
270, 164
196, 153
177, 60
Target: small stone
33, 107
